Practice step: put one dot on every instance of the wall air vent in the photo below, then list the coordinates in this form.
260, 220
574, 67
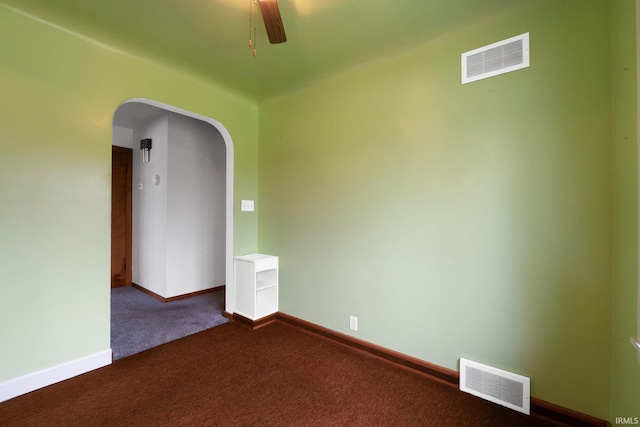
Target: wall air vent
493, 384
497, 58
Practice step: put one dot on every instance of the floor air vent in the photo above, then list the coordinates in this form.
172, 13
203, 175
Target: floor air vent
493, 384
497, 58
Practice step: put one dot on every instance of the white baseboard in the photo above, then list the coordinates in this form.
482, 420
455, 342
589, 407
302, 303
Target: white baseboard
35, 380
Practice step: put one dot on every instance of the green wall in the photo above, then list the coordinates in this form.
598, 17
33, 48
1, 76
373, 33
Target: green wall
625, 362
59, 94
458, 220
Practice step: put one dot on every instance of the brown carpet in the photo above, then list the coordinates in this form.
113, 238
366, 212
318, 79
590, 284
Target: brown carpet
275, 376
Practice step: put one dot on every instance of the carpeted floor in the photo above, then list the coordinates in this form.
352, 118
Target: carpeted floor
277, 375
140, 322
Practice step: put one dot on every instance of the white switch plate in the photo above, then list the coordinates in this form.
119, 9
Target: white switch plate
353, 323
247, 206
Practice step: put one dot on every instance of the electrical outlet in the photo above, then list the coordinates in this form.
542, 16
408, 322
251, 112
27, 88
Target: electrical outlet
353, 323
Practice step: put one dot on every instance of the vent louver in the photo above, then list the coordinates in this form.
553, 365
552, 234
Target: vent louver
493, 384
497, 58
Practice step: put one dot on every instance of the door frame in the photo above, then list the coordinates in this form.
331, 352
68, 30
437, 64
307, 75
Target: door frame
128, 215
229, 277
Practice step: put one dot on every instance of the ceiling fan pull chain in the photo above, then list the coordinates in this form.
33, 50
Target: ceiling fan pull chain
250, 21
255, 42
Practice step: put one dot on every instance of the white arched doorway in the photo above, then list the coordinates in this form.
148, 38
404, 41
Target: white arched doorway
138, 110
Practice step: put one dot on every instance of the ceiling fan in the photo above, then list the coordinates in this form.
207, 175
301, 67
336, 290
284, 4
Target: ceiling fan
272, 21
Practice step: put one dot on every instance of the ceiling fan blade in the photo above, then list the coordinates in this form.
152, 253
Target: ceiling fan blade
272, 21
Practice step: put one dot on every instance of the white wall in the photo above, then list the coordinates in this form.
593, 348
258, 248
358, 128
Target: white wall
150, 207
195, 206
122, 137
179, 217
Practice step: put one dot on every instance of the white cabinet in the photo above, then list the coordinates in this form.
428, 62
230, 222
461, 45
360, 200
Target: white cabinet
256, 278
